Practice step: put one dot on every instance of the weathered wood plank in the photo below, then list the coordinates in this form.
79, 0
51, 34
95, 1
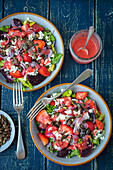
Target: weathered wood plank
34, 159
104, 71
69, 17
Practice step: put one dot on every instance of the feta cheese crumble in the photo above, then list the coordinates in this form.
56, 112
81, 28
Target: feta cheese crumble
41, 35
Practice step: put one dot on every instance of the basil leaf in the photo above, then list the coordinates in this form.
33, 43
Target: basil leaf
2, 63
74, 152
56, 58
5, 28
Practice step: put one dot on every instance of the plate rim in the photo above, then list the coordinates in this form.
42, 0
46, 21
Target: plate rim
11, 140
102, 147
61, 42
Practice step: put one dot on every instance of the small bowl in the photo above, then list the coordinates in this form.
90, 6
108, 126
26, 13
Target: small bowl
8, 143
96, 39
59, 46
75, 160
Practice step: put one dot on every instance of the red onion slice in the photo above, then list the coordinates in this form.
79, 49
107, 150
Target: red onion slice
50, 53
49, 144
24, 70
51, 135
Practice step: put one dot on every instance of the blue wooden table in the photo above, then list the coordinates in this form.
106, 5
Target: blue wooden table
68, 16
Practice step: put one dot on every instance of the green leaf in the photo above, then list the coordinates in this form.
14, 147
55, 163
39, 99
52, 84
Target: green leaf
74, 152
99, 116
73, 95
80, 140
39, 50
56, 58
53, 49
2, 63
51, 139
68, 93
50, 108
5, 28
96, 141
52, 38
26, 83
36, 44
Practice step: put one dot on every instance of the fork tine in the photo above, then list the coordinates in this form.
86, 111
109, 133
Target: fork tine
35, 109
16, 95
13, 94
35, 105
34, 115
19, 92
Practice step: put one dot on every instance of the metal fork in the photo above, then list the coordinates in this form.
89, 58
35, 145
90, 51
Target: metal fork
42, 103
18, 106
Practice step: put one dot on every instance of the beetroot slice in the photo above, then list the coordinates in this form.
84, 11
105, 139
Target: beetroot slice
35, 80
5, 75
63, 153
86, 152
16, 22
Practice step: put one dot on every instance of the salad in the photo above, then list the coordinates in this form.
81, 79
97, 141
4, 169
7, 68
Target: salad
71, 124
27, 52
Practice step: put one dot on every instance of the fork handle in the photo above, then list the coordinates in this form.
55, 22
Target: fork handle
83, 76
20, 145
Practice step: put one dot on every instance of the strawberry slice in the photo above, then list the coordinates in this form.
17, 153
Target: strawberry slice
81, 95
44, 140
1, 58
90, 125
19, 57
52, 103
28, 32
99, 124
30, 69
60, 144
13, 33
44, 71
41, 44
43, 117
50, 129
8, 65
92, 104
27, 58
37, 28
66, 128
65, 100
3, 43
46, 52
17, 74
25, 27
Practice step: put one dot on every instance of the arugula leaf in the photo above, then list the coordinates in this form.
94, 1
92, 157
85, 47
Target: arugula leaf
80, 140
25, 83
74, 152
99, 116
2, 63
5, 28
52, 38
56, 58
53, 49
49, 108
73, 95
51, 139
95, 141
68, 93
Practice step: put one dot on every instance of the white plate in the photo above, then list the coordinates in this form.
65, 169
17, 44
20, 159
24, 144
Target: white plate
59, 46
75, 160
8, 143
